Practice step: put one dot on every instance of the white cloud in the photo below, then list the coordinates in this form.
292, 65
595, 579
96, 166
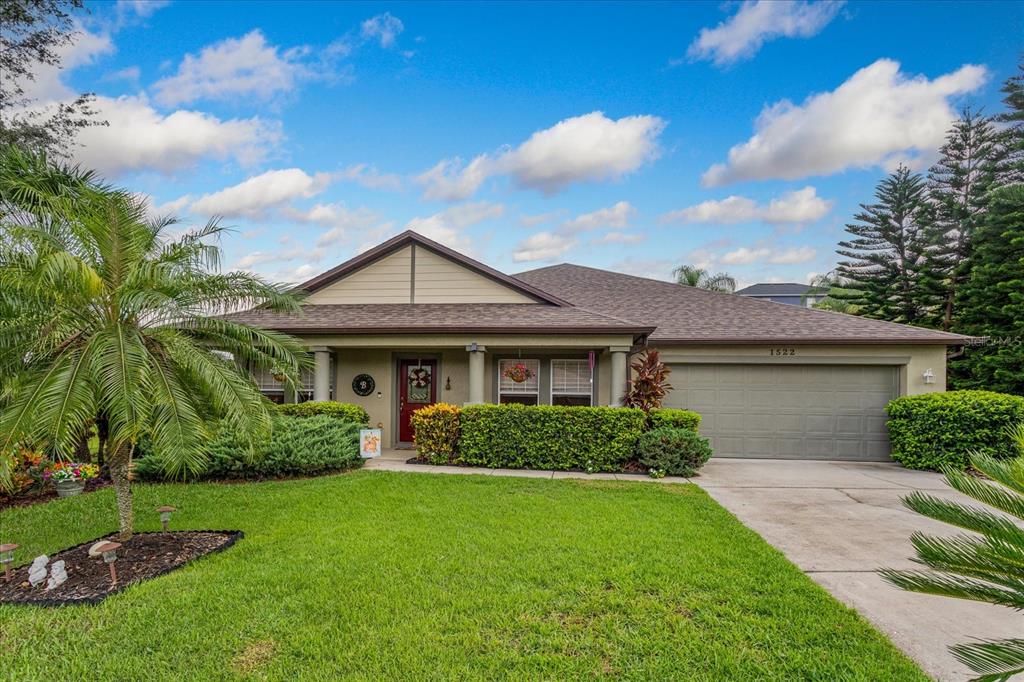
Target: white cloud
747, 255
799, 206
255, 258
383, 27
130, 74
757, 22
446, 226
614, 216
341, 220
591, 148
652, 268
139, 137
368, 176
47, 85
253, 196
879, 116
233, 68
542, 246
617, 237
140, 8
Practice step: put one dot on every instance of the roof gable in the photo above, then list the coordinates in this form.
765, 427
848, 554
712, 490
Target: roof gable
410, 268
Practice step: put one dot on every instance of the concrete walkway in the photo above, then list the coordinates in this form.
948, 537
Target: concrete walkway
840, 522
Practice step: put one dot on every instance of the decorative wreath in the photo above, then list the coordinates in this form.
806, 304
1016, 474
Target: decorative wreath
420, 377
518, 373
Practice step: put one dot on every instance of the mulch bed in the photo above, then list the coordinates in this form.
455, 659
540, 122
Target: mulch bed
145, 556
49, 494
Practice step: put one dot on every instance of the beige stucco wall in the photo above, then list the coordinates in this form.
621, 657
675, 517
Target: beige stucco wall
912, 360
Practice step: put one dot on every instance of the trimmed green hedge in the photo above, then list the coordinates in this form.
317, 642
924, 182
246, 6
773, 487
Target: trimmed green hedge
936, 430
353, 413
296, 447
673, 452
668, 417
549, 437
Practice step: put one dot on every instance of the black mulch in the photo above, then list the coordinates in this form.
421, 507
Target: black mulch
145, 556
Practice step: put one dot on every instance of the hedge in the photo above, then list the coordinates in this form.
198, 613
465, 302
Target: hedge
353, 413
549, 437
672, 452
296, 447
936, 430
667, 417
436, 433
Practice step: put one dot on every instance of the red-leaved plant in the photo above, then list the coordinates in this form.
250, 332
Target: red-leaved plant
649, 383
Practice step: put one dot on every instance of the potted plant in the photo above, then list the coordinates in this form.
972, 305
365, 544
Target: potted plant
69, 478
518, 373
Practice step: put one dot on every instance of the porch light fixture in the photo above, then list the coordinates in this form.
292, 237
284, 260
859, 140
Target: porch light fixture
165, 515
929, 376
7, 558
109, 552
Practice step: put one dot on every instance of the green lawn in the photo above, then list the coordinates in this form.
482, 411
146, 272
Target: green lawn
378, 575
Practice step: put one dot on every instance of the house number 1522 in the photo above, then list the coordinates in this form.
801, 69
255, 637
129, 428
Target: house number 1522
782, 351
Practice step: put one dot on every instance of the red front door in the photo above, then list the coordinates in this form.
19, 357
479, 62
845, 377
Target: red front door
417, 387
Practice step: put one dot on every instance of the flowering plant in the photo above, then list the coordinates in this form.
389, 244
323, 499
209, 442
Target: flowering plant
27, 468
70, 471
518, 373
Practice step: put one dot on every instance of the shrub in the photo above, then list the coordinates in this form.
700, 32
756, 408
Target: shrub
649, 384
936, 430
296, 447
27, 470
549, 437
673, 452
673, 418
353, 413
436, 429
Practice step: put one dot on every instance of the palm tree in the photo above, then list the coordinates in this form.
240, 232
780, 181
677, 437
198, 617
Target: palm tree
985, 566
104, 317
692, 276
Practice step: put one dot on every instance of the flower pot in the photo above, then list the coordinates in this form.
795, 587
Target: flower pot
70, 488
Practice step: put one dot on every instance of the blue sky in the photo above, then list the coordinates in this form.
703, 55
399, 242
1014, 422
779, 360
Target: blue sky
635, 137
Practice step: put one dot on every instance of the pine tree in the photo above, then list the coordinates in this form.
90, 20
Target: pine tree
888, 252
1013, 136
959, 187
992, 300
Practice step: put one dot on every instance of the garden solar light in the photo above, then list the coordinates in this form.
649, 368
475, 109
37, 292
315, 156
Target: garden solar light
165, 515
109, 552
7, 558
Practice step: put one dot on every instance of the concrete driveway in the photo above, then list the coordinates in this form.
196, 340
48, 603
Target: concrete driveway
840, 522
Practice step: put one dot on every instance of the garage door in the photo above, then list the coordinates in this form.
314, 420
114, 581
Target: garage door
789, 411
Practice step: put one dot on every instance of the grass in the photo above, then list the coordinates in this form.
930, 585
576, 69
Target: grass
377, 575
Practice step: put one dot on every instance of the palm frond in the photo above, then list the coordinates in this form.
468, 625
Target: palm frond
996, 660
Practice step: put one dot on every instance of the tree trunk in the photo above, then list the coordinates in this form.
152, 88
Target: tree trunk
101, 437
120, 462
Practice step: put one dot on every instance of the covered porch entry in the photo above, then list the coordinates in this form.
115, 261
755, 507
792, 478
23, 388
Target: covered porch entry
393, 375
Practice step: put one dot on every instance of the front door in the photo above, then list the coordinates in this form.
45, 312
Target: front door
416, 388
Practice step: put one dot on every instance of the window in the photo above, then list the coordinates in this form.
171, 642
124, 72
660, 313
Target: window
572, 383
519, 381
275, 390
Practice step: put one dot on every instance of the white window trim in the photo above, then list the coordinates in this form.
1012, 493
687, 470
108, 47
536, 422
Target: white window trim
536, 393
551, 381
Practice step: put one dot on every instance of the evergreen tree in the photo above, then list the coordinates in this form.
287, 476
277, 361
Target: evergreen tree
1013, 136
992, 300
888, 252
959, 187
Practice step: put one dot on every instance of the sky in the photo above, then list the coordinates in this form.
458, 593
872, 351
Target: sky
636, 137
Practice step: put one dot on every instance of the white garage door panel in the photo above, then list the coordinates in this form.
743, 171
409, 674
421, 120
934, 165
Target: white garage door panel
789, 411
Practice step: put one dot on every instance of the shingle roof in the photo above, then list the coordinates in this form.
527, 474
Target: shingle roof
684, 314
440, 317
778, 289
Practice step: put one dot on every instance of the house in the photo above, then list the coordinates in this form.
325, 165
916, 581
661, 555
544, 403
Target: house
786, 292
411, 322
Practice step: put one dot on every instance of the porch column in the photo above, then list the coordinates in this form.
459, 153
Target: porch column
476, 373
618, 379
321, 373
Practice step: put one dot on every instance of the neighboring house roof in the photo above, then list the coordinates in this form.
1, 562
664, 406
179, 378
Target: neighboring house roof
683, 314
440, 317
409, 237
780, 289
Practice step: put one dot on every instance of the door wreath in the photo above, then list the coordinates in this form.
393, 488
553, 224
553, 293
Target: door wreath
419, 377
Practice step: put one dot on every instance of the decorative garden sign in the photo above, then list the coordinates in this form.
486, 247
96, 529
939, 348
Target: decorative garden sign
363, 385
369, 443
